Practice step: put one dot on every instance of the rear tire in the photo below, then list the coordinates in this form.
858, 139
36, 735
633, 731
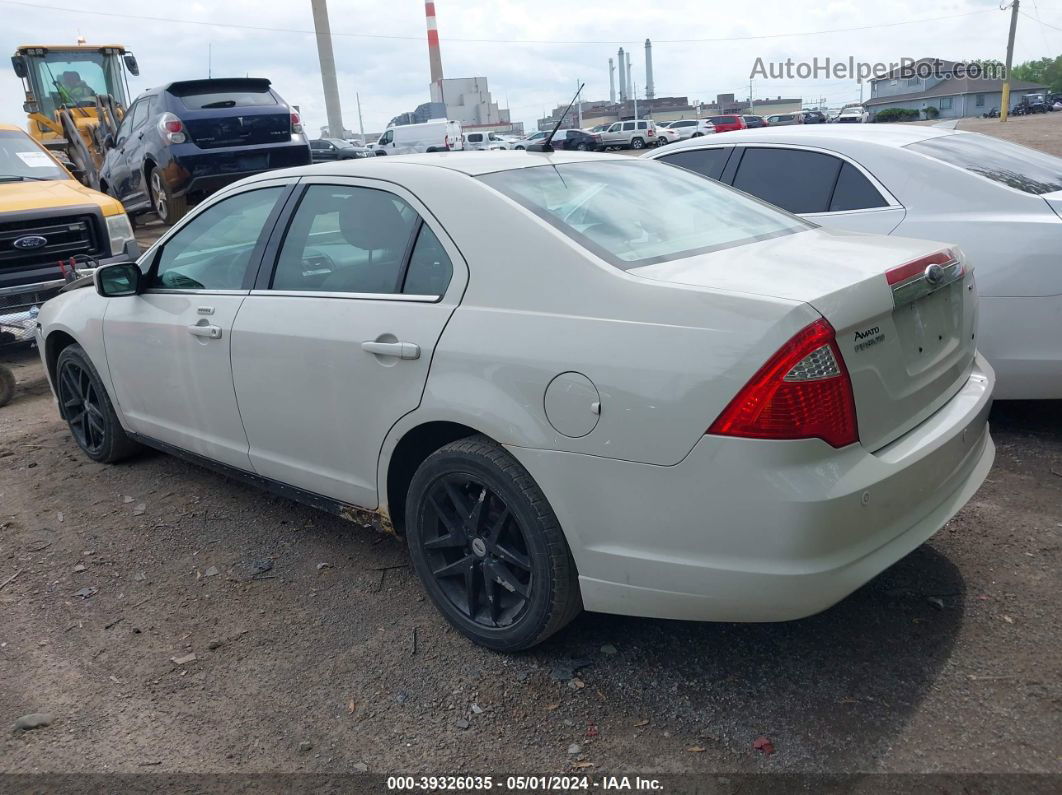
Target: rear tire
488, 547
169, 209
87, 409
637, 143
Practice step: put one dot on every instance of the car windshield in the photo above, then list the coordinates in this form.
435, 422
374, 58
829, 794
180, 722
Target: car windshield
22, 160
637, 213
1000, 161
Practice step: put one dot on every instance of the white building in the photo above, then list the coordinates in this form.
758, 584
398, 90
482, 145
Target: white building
468, 101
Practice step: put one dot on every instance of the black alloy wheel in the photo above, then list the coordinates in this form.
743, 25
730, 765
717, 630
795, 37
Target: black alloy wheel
81, 408
87, 409
479, 554
488, 548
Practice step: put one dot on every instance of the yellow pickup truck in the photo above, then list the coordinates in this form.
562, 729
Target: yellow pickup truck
48, 218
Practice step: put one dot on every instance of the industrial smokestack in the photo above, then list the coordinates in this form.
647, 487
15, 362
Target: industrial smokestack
623, 76
649, 92
611, 81
434, 56
328, 67
630, 83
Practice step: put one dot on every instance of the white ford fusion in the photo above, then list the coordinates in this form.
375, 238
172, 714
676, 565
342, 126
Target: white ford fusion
1001, 202
571, 381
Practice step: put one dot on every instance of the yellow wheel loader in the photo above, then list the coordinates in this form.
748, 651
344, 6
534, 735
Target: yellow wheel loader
76, 96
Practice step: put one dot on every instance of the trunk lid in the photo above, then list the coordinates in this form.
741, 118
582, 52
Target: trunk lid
908, 346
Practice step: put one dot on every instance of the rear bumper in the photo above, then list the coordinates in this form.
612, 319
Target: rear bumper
195, 170
753, 530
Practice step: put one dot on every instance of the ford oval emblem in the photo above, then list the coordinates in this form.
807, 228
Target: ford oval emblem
934, 274
30, 242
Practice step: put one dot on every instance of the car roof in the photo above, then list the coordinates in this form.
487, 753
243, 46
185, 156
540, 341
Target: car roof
11, 128
892, 135
471, 163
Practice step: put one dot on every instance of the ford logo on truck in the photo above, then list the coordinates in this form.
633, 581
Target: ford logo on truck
30, 242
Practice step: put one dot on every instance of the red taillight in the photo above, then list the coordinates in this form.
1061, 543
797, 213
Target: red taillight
802, 392
171, 128
296, 123
902, 273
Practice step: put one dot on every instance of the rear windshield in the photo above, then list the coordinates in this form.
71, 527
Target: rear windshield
1001, 161
21, 160
224, 95
636, 213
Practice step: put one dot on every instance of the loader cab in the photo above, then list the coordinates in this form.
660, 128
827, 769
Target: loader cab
72, 76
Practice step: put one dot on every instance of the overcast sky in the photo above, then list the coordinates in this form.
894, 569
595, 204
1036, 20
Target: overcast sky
391, 74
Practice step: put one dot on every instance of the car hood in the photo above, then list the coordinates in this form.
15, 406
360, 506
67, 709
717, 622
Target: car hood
52, 195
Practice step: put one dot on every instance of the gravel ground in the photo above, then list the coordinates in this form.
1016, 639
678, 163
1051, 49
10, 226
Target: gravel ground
316, 650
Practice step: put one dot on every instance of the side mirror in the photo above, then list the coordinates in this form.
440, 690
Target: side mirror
19, 66
31, 107
131, 64
120, 279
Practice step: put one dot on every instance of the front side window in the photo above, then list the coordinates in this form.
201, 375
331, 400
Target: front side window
346, 239
795, 180
638, 213
387, 137
214, 249
1000, 161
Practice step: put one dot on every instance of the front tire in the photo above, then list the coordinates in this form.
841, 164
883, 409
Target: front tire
87, 409
488, 547
170, 209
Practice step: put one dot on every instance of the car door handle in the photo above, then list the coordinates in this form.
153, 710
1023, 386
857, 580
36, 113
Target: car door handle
403, 350
213, 332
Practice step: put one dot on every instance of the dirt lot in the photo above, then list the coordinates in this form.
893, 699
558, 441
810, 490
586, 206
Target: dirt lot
315, 649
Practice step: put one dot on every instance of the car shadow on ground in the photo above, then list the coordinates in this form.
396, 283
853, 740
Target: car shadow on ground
1041, 419
836, 686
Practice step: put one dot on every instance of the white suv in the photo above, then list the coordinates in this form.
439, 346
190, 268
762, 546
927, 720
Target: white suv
634, 134
691, 128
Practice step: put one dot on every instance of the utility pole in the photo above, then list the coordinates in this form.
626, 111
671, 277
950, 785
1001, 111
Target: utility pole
634, 93
210, 60
752, 105
361, 124
1005, 101
328, 67
579, 102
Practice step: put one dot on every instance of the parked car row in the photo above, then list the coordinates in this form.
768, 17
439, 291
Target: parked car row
1000, 202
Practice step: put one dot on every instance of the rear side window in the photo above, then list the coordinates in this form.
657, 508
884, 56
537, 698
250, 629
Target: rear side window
358, 240
637, 213
205, 95
475, 137
643, 125
854, 192
708, 162
797, 181
1000, 161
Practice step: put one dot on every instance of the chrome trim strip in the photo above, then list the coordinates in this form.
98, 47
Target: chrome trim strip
919, 286
167, 291
420, 299
39, 287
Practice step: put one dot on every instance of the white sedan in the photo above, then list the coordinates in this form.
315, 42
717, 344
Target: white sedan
1000, 202
570, 381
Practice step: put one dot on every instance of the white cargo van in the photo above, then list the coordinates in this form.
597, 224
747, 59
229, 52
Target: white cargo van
437, 135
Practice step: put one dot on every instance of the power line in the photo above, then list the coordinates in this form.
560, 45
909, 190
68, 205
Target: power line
1029, 16
264, 29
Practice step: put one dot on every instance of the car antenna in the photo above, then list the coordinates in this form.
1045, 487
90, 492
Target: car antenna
546, 145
